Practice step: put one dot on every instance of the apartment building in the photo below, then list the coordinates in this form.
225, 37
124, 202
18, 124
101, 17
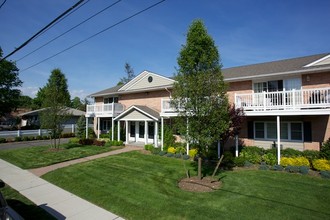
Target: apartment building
286, 103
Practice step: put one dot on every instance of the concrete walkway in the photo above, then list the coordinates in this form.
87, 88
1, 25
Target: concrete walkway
58, 202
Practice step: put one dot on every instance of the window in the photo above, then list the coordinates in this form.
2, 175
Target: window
109, 100
291, 131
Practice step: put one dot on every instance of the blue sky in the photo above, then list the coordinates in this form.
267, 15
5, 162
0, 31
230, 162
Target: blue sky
245, 32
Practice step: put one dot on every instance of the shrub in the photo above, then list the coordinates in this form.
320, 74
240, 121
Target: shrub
39, 137
18, 138
171, 150
177, 155
85, 141
67, 135
311, 154
169, 138
304, 170
169, 154
269, 158
46, 137
116, 143
192, 153
155, 150
149, 147
252, 154
228, 160
321, 164
74, 140
325, 174
3, 140
292, 169
185, 157
248, 164
263, 166
26, 138
325, 150
295, 161
104, 136
162, 153
98, 142
289, 152
277, 168
239, 161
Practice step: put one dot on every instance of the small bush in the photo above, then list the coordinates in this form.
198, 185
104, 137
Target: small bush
3, 140
304, 170
325, 150
295, 161
84, 141
18, 139
171, 150
239, 161
277, 168
292, 169
67, 135
116, 143
321, 164
289, 152
192, 153
26, 138
251, 156
325, 174
98, 143
45, 137
269, 158
248, 164
186, 157
162, 153
177, 155
169, 154
104, 135
149, 147
263, 167
39, 137
311, 154
228, 160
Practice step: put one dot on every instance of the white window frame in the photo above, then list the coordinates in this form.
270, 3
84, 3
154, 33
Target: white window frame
274, 139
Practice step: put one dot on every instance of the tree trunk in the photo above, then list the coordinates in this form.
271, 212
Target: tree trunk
199, 168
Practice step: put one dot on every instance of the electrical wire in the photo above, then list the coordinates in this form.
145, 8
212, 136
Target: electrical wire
94, 35
42, 30
113, 4
3, 3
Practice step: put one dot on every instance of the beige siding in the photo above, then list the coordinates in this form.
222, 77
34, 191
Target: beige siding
135, 115
323, 62
157, 81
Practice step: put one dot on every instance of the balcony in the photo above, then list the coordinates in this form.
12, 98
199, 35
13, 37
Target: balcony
167, 109
104, 110
294, 100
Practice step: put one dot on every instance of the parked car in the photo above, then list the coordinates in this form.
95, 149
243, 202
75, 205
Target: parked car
7, 213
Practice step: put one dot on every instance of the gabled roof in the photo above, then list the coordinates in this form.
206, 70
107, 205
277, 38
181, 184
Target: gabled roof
150, 113
72, 111
281, 67
140, 83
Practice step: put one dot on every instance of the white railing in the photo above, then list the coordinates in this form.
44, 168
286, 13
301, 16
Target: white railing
111, 109
284, 100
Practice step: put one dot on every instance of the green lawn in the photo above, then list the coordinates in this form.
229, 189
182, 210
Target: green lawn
23, 206
138, 186
34, 157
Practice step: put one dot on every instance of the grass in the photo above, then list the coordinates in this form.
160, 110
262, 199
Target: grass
34, 157
23, 206
137, 186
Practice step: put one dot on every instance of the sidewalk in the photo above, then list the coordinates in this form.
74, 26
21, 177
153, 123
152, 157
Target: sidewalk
58, 202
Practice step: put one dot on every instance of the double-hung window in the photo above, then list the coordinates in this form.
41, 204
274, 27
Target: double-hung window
291, 131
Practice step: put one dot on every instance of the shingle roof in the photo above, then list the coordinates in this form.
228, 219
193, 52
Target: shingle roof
107, 91
280, 66
148, 110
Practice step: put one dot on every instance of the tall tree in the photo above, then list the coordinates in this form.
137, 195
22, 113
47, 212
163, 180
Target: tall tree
38, 100
199, 93
9, 81
129, 75
56, 102
77, 103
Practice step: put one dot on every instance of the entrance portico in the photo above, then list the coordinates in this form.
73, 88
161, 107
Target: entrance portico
141, 125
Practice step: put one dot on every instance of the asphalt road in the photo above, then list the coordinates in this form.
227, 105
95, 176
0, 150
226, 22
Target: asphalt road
23, 144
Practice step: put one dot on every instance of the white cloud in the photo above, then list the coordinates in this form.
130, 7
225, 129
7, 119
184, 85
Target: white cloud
30, 91
79, 93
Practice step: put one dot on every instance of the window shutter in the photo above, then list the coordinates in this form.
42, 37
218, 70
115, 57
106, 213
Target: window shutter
250, 130
307, 131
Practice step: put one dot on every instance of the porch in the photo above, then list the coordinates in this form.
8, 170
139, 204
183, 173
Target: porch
104, 110
304, 99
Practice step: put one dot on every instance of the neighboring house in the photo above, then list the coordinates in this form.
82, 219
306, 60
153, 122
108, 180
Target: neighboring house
290, 96
31, 119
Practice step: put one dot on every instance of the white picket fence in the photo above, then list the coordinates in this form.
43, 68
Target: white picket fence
71, 128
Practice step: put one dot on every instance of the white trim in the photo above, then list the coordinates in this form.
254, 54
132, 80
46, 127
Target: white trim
315, 70
317, 61
323, 111
137, 109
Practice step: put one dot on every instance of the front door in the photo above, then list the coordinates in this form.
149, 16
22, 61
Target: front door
140, 129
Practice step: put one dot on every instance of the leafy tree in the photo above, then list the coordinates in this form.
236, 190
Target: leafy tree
38, 100
78, 104
81, 127
25, 101
129, 75
199, 93
9, 81
56, 100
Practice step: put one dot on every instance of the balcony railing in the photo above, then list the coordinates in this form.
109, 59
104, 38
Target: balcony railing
284, 100
99, 109
167, 107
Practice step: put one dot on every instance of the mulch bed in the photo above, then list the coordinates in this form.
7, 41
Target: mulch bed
194, 184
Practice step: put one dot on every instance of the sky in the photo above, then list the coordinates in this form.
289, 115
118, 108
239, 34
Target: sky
245, 32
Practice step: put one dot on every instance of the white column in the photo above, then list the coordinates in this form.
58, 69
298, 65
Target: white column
156, 134
86, 127
236, 145
127, 132
146, 132
187, 138
98, 127
162, 133
112, 129
118, 131
219, 148
278, 141
72, 128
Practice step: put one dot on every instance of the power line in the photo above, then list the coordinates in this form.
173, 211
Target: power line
113, 4
42, 30
94, 35
3, 3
